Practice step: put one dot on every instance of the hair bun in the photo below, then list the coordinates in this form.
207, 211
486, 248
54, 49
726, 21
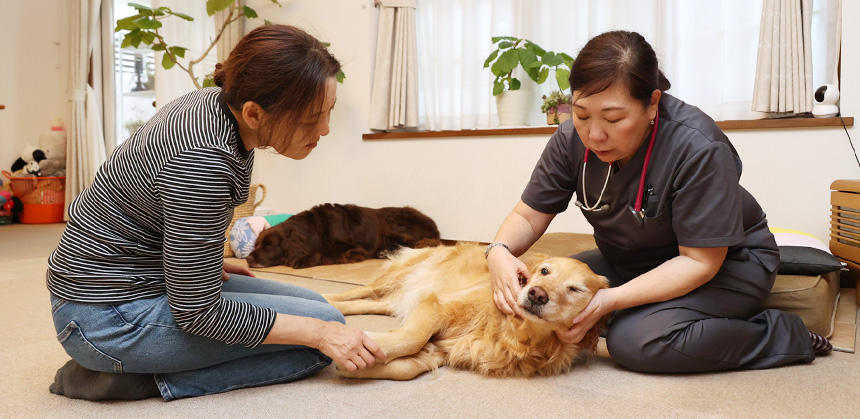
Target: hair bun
218, 75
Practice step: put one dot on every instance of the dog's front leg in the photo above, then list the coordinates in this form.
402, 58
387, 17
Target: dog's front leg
405, 368
417, 329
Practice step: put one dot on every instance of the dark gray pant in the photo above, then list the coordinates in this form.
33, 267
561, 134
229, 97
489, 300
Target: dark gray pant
709, 329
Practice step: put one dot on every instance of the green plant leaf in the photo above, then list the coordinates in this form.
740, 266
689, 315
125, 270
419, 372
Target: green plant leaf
515, 83
544, 73
167, 62
527, 58
561, 77
534, 72
568, 60
508, 61
276, 2
159, 47
145, 22
506, 38
147, 37
339, 76
134, 37
141, 7
551, 59
126, 41
498, 87
492, 57
535, 47
209, 81
505, 44
267, 22
127, 23
249, 12
182, 16
213, 6
161, 11
178, 51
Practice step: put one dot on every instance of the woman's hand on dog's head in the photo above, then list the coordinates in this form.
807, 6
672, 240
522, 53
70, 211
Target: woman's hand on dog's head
508, 275
600, 305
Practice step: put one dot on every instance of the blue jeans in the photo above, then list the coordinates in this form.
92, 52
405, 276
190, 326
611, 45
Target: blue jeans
141, 337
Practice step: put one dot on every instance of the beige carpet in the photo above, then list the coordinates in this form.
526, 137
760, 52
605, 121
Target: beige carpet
29, 355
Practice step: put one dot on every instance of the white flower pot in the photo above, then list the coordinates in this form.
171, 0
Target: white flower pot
513, 107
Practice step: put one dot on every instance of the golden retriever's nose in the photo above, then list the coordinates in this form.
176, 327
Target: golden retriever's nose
537, 296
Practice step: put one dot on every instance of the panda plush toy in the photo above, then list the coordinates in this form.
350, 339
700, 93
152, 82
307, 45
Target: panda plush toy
27, 163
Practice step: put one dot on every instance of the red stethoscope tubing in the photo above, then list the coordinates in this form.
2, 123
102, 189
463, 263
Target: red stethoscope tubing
639, 193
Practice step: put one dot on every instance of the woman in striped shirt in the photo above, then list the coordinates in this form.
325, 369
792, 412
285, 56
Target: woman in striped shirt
141, 298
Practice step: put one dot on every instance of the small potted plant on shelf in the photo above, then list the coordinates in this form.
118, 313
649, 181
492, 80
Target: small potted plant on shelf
518, 54
556, 106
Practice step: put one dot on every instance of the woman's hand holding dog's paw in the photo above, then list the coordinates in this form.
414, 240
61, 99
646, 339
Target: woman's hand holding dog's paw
600, 305
348, 347
506, 272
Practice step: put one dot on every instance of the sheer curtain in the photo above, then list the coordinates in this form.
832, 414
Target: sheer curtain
196, 36
706, 48
85, 149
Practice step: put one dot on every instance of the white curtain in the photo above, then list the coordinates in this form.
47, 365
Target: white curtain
394, 97
232, 34
783, 82
86, 147
826, 41
106, 87
196, 36
695, 40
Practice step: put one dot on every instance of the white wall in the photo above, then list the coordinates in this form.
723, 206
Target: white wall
466, 184
469, 184
33, 72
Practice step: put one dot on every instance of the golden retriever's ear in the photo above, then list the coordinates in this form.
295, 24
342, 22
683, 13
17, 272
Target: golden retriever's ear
604, 281
532, 260
589, 341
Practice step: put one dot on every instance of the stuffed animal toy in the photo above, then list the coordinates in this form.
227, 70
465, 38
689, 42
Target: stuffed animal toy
52, 167
28, 161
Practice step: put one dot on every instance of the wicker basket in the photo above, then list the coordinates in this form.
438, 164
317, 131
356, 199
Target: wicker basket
244, 210
43, 198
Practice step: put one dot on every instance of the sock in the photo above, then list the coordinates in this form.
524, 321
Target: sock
820, 344
77, 382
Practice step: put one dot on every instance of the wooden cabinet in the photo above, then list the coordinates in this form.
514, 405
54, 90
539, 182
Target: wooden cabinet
845, 225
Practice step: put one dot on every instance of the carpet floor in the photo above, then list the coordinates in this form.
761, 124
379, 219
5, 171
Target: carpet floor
30, 355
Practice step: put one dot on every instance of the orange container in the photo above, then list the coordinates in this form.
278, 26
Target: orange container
43, 198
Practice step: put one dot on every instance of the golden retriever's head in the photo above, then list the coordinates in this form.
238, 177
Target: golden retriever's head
559, 288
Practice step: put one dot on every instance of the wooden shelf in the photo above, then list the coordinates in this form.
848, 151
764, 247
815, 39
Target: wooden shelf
548, 130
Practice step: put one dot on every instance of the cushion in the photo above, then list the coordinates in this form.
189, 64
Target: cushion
812, 297
803, 254
798, 260
245, 230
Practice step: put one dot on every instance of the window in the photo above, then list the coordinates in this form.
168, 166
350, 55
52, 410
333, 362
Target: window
707, 49
134, 75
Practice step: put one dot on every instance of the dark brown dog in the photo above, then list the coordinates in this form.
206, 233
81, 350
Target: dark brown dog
334, 233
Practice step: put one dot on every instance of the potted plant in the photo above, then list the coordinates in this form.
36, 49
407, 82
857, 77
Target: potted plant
518, 54
556, 106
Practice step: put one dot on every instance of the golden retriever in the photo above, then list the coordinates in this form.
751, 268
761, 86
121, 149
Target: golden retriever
443, 296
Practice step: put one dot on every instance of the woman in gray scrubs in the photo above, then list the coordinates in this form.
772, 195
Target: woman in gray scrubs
686, 249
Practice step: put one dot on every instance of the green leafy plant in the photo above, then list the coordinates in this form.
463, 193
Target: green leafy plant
554, 99
143, 28
535, 61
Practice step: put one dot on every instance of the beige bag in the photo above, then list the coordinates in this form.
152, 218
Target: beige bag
244, 210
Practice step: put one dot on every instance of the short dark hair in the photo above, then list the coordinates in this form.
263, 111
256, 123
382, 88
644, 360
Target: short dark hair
618, 56
281, 68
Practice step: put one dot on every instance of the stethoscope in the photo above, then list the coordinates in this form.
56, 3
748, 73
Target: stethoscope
636, 210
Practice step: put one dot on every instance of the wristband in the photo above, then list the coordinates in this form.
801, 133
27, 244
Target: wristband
494, 244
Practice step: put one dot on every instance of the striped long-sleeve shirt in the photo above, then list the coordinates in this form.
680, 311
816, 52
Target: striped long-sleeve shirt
153, 222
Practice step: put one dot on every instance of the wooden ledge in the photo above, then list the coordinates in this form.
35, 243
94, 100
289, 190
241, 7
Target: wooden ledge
548, 130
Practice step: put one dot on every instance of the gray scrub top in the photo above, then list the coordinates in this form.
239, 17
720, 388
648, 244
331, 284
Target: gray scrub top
692, 198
